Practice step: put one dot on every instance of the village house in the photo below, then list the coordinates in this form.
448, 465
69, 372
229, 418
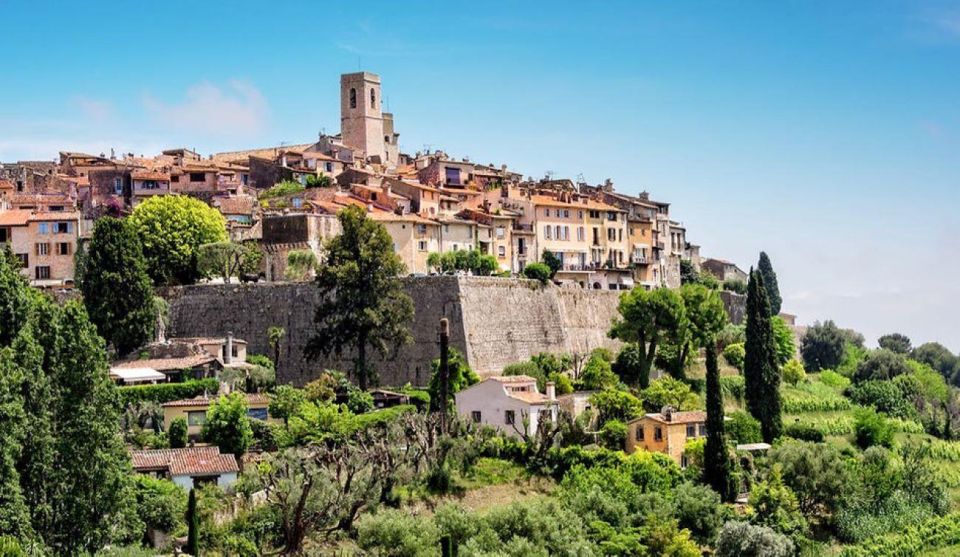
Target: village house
414, 238
495, 235
283, 233
194, 410
508, 403
723, 270
180, 359
188, 467
147, 183
666, 432
45, 243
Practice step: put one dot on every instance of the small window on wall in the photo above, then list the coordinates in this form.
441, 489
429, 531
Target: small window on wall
422, 245
509, 417
353, 98
657, 434
639, 434
63, 248
43, 273
475, 416
502, 251
373, 98
196, 418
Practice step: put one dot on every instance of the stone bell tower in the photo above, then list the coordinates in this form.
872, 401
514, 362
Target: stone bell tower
361, 114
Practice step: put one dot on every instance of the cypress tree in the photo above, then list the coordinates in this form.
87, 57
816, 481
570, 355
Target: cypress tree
116, 288
716, 463
760, 370
770, 282
193, 525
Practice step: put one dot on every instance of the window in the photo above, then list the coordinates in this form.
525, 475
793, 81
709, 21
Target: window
684, 461
4, 235
691, 430
43, 228
62, 227
566, 213
703, 430
257, 413
175, 178
566, 232
559, 232
421, 229
63, 248
546, 212
580, 214
547, 232
580, 234
43, 272
43, 248
639, 434
353, 98
197, 418
453, 176
594, 214
509, 417
118, 186
657, 434
422, 245
500, 232
197, 176
24, 259
373, 98
475, 416
329, 166
502, 251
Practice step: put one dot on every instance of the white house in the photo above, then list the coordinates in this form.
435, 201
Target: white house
189, 466
506, 402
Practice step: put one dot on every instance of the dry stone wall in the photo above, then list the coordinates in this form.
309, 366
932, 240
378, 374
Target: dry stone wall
494, 321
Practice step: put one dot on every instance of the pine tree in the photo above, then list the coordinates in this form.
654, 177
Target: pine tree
14, 301
770, 282
193, 525
716, 462
116, 288
760, 370
14, 517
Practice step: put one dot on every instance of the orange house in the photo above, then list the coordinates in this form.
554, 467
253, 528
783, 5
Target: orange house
666, 432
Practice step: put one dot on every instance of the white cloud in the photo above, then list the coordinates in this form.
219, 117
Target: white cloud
236, 110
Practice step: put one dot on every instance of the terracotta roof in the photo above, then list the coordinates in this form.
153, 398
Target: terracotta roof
187, 461
540, 199
388, 216
146, 175
319, 156
169, 364
678, 417
203, 402
6, 184
15, 217
530, 397
236, 205
265, 152
513, 378
208, 340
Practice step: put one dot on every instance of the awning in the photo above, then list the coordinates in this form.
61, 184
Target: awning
137, 374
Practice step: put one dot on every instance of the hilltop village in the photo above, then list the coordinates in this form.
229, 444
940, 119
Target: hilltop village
336, 348
286, 198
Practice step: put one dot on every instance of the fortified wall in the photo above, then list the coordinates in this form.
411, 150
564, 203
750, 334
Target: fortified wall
493, 321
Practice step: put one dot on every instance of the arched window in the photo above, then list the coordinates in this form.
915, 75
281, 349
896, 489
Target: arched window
353, 98
373, 98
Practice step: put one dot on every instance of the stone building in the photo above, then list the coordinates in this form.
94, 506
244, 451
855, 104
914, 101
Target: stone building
361, 115
45, 243
666, 432
283, 233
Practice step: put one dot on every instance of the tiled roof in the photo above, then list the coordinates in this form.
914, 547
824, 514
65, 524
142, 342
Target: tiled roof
187, 461
6, 184
14, 217
528, 396
266, 152
513, 378
169, 364
540, 199
201, 401
678, 417
147, 175
236, 205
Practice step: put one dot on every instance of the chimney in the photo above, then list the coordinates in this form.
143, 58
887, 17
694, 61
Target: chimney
228, 352
667, 412
551, 391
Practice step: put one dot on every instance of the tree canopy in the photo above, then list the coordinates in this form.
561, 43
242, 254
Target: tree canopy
760, 369
770, 283
171, 229
362, 303
646, 318
822, 346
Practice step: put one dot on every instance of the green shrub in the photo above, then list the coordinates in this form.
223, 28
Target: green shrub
833, 379
735, 354
793, 372
743, 428
613, 434
737, 539
872, 429
178, 433
537, 271
884, 396
812, 397
165, 392
160, 503
804, 432
396, 533
282, 189
881, 364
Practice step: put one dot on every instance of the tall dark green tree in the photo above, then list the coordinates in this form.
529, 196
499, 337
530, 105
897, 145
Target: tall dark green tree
193, 525
716, 461
14, 518
116, 287
14, 301
760, 371
770, 283
362, 302
461, 377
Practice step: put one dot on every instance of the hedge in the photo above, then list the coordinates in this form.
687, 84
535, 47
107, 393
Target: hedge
165, 392
931, 534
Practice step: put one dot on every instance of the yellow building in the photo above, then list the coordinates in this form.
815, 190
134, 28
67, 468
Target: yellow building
414, 237
194, 410
666, 432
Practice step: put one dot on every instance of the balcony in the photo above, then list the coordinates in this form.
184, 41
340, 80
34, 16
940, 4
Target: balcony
639, 259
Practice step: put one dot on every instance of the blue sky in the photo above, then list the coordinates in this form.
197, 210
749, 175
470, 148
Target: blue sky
826, 133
